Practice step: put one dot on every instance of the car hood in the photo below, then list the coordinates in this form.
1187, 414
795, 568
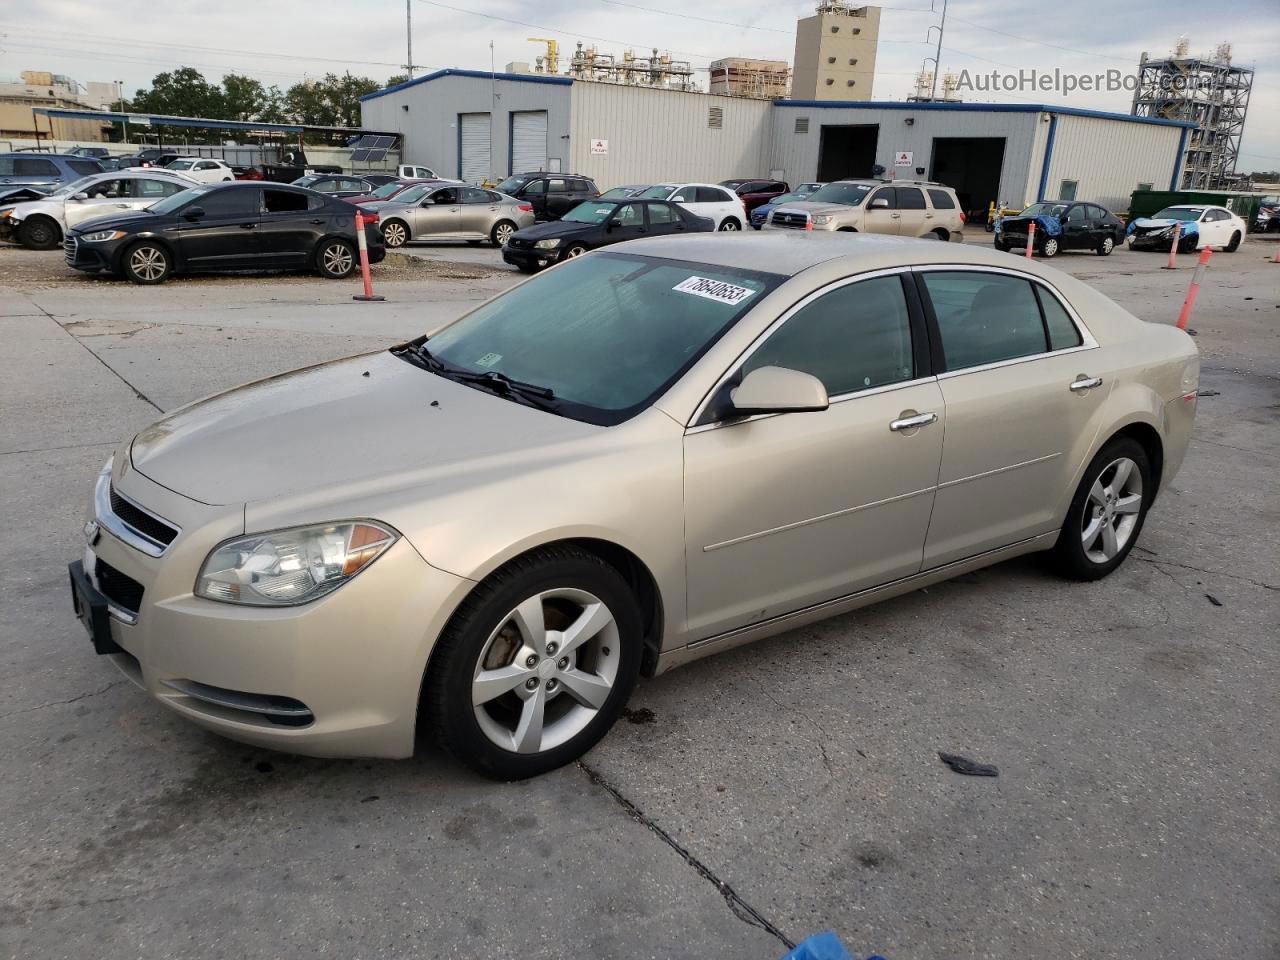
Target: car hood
118, 221
348, 424
19, 192
1152, 225
556, 228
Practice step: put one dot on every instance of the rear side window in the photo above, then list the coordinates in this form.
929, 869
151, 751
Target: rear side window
558, 186
39, 167
1096, 212
139, 187
661, 213
853, 338
283, 201
941, 200
714, 195
1062, 331
984, 317
474, 195
910, 198
85, 167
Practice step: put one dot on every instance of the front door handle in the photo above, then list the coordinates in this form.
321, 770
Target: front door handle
895, 216
910, 423
247, 226
317, 222
1085, 383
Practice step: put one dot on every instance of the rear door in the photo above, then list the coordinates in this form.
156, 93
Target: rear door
1020, 392
912, 219
663, 218
292, 223
226, 236
477, 212
1077, 230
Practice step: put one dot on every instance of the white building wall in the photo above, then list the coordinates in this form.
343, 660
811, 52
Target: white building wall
1109, 158
663, 135
430, 125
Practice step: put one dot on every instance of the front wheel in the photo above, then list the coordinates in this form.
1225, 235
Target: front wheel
1050, 247
729, 224
39, 233
1001, 245
335, 259
501, 233
1106, 246
147, 263
1106, 513
576, 250
535, 666
1234, 245
395, 233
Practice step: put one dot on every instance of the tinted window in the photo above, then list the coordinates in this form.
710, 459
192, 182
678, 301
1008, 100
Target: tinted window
474, 195
853, 338
687, 195
323, 186
851, 194
885, 194
494, 197
661, 213
1076, 214
910, 198
581, 186
1062, 332
1096, 212
206, 165
284, 201
39, 167
233, 202
84, 167
984, 317
537, 186
712, 195
359, 186
777, 187
941, 200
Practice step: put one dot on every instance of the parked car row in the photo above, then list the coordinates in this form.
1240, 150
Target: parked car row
1074, 225
910, 208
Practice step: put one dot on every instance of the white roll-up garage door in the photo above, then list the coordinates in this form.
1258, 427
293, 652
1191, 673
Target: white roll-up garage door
528, 140
473, 138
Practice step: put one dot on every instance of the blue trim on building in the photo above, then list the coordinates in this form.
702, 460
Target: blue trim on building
979, 108
1048, 156
1177, 159
477, 74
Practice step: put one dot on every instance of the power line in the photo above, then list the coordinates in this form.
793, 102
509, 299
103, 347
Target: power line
1043, 43
97, 56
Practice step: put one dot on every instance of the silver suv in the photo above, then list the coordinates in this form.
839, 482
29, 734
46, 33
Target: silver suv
909, 208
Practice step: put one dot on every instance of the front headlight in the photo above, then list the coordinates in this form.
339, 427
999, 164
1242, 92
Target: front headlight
821, 220
100, 236
5, 212
547, 244
290, 567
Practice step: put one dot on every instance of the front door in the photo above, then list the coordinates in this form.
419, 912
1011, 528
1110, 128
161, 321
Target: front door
882, 219
104, 198
912, 220
1021, 387
226, 236
789, 510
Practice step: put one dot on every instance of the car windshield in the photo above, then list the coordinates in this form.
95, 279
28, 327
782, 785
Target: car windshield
593, 211
180, 164
619, 193
171, 203
1178, 213
388, 190
1044, 210
660, 192
850, 194
789, 198
605, 333
511, 184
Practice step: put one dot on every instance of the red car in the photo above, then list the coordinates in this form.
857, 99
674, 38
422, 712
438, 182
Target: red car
756, 192
387, 191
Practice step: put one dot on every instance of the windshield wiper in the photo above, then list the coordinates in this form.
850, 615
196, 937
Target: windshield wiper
416, 352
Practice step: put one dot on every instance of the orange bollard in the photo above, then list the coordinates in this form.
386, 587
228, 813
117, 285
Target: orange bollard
1031, 238
363, 243
1188, 303
1173, 251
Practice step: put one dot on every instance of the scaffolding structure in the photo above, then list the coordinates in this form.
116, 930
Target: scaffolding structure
657, 70
923, 92
1211, 92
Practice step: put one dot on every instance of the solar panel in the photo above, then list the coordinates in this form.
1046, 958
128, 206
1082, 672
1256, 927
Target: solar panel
360, 156
376, 155
382, 143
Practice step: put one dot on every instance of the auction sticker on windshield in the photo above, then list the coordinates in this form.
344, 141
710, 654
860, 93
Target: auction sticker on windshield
716, 290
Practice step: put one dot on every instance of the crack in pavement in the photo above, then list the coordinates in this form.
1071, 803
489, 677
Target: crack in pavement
822, 747
69, 446
738, 906
1212, 573
58, 703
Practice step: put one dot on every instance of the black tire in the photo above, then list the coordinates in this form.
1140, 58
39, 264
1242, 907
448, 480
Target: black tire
1187, 245
335, 258
501, 233
940, 234
147, 263
1234, 245
1001, 245
574, 250
446, 707
1069, 555
395, 233
39, 233
1106, 246
729, 224
1050, 247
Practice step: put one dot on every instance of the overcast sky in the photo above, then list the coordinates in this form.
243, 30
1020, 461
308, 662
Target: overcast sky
282, 41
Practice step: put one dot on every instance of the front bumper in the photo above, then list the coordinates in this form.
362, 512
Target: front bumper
339, 677
91, 257
8, 227
528, 257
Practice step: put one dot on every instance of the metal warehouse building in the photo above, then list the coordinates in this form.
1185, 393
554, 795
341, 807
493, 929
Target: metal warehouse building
476, 125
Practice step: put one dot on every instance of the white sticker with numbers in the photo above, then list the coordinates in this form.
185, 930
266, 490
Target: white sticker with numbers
716, 290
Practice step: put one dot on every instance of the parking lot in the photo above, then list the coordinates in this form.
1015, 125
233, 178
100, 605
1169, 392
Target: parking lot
748, 800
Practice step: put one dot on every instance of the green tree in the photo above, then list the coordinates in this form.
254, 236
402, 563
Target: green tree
183, 93
243, 98
333, 101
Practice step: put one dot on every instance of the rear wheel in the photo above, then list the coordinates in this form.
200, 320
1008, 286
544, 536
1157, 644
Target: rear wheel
940, 234
501, 233
39, 233
1050, 247
535, 666
730, 224
1106, 513
1106, 246
147, 263
1234, 245
395, 233
335, 259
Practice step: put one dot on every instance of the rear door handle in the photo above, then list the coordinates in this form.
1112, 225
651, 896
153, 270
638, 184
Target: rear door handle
1085, 383
895, 216
247, 226
910, 423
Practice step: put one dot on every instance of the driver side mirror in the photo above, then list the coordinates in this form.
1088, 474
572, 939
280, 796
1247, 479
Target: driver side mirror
778, 390
194, 213
613, 222
880, 203
80, 196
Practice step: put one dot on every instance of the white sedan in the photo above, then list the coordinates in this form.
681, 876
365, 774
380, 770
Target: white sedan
721, 206
1201, 225
203, 169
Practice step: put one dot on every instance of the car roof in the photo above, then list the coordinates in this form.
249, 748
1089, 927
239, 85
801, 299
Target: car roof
791, 252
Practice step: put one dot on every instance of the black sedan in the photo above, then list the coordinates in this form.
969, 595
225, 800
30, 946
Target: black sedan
1061, 225
598, 223
240, 225
336, 185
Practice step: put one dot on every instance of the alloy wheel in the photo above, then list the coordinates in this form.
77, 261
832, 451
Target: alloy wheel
576, 251
1112, 511
729, 225
546, 671
502, 233
393, 235
1107, 245
1050, 247
148, 263
337, 259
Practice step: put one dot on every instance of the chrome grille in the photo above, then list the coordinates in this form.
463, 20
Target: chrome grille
151, 527
69, 249
790, 218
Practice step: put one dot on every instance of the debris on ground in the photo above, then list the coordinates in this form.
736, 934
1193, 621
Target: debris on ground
1214, 600
969, 768
642, 715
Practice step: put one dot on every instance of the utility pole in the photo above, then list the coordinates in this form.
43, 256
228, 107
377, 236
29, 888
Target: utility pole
937, 66
408, 31
493, 107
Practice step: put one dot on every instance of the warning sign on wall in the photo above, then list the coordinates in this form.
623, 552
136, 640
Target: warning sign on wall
599, 147
903, 158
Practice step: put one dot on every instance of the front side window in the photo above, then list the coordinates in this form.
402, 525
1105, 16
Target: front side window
215, 201
984, 317
606, 333
1076, 214
630, 215
446, 196
108, 188
538, 187
854, 338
